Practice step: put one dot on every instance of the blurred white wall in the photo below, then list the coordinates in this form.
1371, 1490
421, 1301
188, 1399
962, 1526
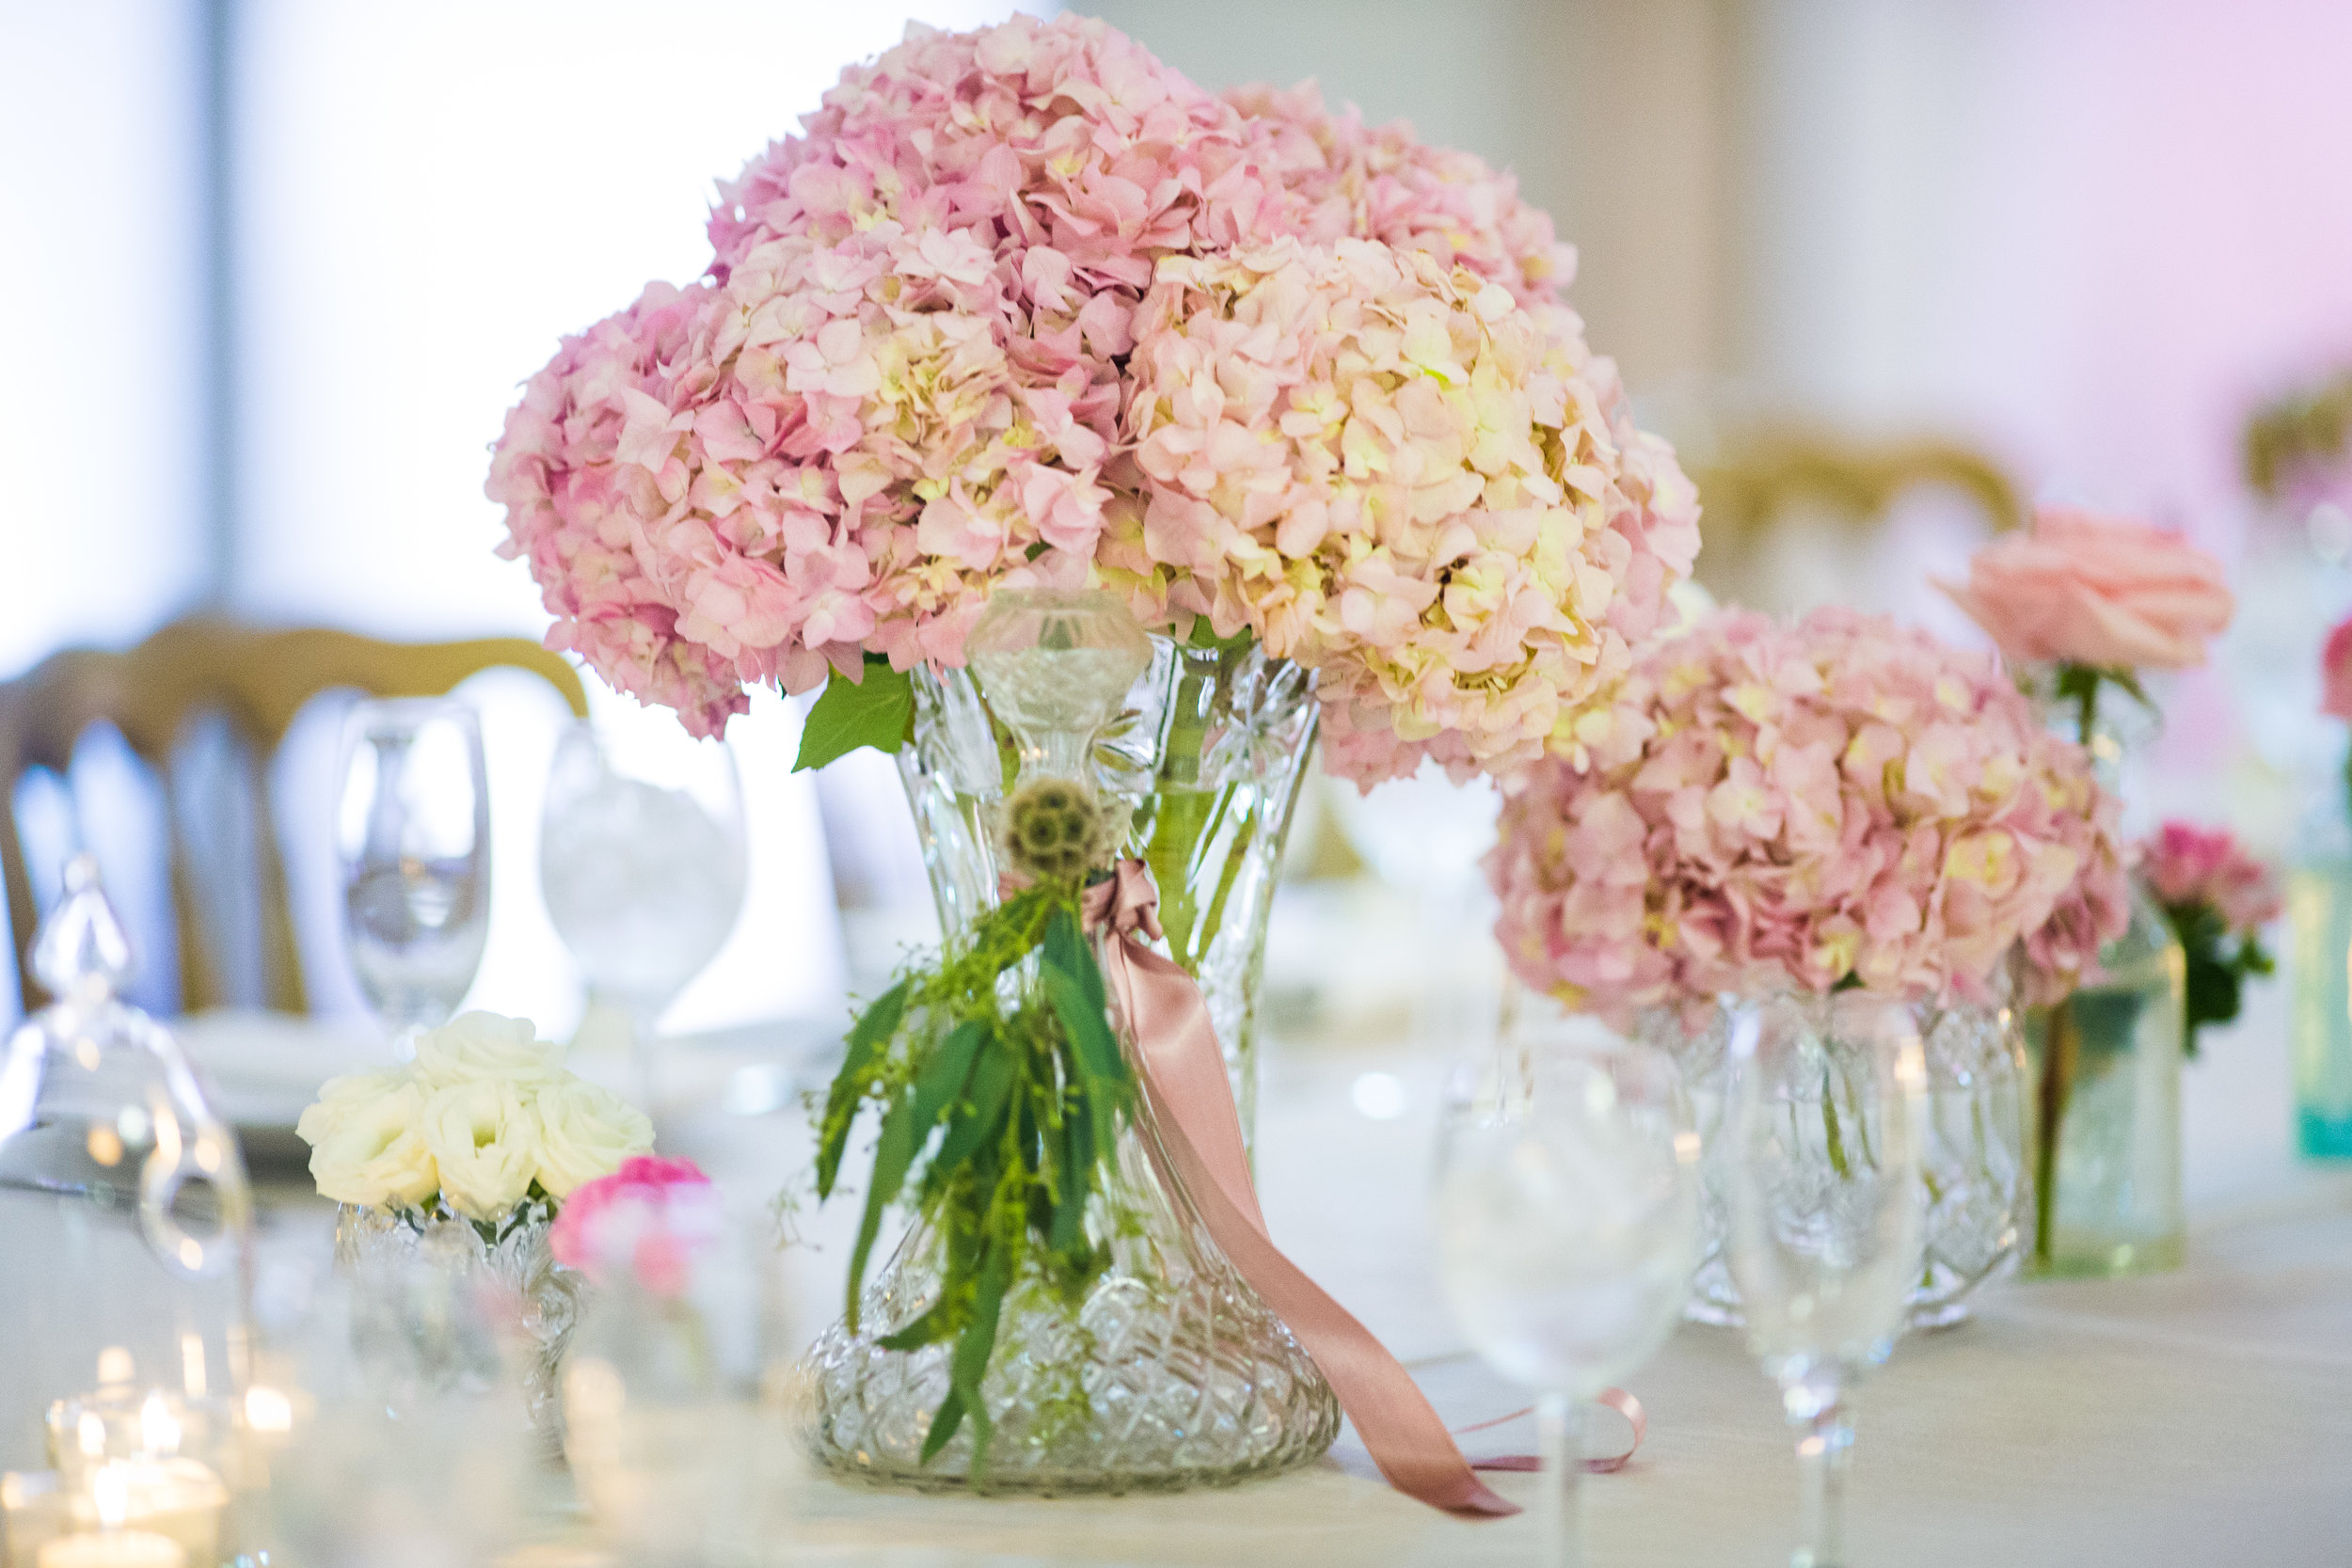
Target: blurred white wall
102, 264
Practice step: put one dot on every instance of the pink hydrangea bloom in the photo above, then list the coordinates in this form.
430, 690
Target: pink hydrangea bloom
579, 508
1382, 469
2187, 864
940, 350
1844, 799
1384, 184
650, 1219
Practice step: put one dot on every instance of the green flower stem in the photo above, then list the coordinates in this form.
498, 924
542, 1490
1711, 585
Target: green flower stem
2061, 1053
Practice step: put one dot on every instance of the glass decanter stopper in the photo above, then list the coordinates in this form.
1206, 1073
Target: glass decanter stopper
126, 1230
1056, 665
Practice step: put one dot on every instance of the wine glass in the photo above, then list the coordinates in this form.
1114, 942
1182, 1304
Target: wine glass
413, 833
641, 862
1824, 1126
1568, 1225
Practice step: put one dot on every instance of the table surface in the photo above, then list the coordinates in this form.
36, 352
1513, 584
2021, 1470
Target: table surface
2171, 1419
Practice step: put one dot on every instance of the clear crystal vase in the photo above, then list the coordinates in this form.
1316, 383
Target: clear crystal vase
421, 1321
1974, 1164
1170, 1372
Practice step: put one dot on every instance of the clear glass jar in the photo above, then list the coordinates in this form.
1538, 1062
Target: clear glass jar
125, 1262
2105, 1109
1973, 1158
1170, 1372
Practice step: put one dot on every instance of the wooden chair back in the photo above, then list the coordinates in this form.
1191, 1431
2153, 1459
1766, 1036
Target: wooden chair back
257, 680
1763, 479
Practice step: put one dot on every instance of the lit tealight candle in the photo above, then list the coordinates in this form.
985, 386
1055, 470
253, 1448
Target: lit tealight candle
122, 1548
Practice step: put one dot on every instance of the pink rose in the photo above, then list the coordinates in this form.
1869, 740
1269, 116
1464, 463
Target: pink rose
2107, 591
650, 1218
2335, 672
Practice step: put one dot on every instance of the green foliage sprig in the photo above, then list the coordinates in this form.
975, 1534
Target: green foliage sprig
2217, 971
999, 1086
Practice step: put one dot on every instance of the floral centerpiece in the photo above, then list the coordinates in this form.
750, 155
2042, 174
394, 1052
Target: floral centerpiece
465, 1159
2216, 897
2079, 604
1802, 811
1024, 312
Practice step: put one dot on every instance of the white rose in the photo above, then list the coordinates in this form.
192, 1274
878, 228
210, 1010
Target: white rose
339, 1096
486, 1143
367, 1143
585, 1132
474, 1047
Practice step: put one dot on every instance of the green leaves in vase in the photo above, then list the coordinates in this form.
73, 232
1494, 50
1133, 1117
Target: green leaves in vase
999, 1091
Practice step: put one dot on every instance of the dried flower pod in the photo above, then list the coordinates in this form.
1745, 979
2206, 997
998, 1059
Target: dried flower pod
1055, 828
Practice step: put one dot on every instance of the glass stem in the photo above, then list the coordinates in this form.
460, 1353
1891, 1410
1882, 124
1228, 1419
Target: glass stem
1824, 1454
1559, 1433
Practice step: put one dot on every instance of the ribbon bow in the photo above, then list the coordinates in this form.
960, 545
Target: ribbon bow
1183, 1072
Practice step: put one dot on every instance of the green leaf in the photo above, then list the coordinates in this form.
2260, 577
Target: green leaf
1090, 1030
944, 1420
868, 1036
940, 1084
970, 1362
876, 711
991, 1086
1078, 1170
893, 1153
928, 1329
1066, 949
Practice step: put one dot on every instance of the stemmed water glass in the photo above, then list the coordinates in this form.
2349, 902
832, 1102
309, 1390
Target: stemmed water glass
1568, 1225
413, 834
1822, 1167
641, 862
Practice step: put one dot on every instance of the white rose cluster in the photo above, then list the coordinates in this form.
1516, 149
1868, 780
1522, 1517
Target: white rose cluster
485, 1113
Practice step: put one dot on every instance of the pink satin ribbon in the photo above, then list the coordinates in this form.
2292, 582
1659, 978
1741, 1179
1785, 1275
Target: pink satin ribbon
1615, 1399
1182, 1071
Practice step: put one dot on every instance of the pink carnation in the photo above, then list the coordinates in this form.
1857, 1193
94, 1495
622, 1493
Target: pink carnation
2186, 864
651, 1217
1841, 800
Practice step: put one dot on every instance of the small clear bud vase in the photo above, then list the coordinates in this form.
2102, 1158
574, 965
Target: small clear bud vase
1975, 1162
126, 1259
1170, 1372
444, 1304
2106, 1107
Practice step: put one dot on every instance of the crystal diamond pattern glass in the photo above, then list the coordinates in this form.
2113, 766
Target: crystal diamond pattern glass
1976, 1168
1171, 1372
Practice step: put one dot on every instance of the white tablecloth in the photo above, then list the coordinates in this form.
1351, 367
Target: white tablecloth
2200, 1417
